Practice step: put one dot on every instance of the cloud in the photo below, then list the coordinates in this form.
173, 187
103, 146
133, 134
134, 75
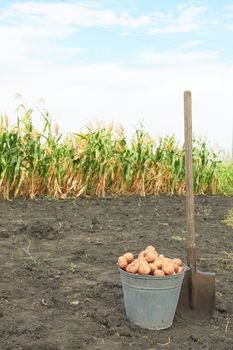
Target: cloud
229, 16
192, 43
178, 58
19, 49
37, 30
229, 27
32, 30
229, 11
61, 19
186, 18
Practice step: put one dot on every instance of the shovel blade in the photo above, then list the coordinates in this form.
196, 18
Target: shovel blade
197, 297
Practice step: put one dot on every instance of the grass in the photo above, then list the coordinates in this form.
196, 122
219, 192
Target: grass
178, 238
72, 267
25, 254
99, 161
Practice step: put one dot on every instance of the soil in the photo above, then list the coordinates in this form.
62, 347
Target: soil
60, 288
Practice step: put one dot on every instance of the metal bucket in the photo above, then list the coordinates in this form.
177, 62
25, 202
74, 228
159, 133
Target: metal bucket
150, 302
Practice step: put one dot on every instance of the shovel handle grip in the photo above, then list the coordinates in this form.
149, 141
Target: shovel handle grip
189, 179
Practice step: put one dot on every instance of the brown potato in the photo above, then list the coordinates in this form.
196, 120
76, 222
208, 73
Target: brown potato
153, 267
150, 248
167, 260
176, 268
177, 261
142, 254
168, 269
150, 257
144, 268
158, 263
142, 258
149, 261
159, 273
133, 267
122, 262
136, 262
129, 257
181, 269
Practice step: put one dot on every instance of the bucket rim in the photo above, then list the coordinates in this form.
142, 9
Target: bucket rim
151, 277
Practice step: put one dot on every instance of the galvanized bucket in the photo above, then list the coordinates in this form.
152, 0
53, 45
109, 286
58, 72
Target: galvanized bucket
150, 302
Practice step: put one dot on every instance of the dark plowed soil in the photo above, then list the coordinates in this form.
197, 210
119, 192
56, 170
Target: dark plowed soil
60, 289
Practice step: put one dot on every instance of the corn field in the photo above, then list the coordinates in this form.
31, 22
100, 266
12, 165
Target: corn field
98, 162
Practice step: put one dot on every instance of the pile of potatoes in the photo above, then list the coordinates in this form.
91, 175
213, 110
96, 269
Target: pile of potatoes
150, 262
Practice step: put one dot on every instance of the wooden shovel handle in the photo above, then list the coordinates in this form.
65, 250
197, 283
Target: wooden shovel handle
191, 248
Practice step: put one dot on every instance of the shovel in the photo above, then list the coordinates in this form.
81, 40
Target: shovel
197, 297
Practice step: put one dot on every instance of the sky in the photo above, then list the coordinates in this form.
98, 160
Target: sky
126, 61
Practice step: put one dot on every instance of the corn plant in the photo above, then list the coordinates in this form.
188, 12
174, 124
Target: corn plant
100, 160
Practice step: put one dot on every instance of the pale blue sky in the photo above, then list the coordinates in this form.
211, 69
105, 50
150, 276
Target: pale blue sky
124, 61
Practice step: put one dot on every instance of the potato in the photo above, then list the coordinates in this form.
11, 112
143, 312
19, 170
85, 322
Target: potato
136, 262
153, 267
168, 269
142, 254
150, 257
150, 248
122, 262
149, 261
129, 257
158, 263
133, 267
144, 268
177, 261
176, 268
159, 273
181, 269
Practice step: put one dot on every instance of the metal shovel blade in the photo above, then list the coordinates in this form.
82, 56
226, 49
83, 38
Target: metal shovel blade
197, 297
